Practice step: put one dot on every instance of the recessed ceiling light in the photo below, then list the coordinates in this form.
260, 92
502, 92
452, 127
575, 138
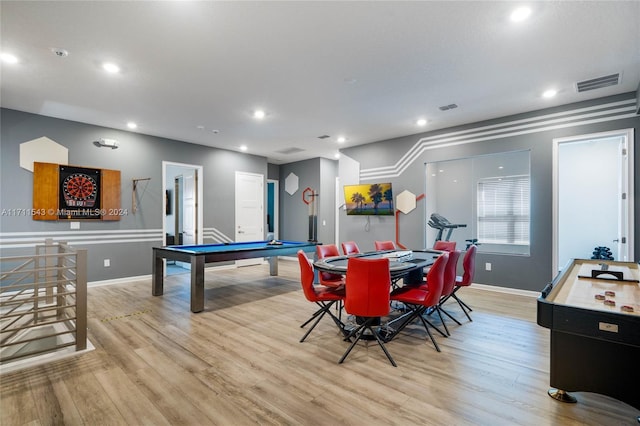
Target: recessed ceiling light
501, 167
341, 139
520, 14
421, 122
259, 114
200, 127
132, 125
243, 148
9, 58
549, 93
111, 67
336, 155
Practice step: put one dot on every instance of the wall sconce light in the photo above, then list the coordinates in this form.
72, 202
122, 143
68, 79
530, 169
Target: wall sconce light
111, 143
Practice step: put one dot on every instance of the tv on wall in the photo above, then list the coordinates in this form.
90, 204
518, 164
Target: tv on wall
369, 199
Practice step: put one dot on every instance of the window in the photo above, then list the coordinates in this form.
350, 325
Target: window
503, 210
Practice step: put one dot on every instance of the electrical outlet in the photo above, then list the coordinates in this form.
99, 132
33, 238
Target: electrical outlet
487, 266
107, 263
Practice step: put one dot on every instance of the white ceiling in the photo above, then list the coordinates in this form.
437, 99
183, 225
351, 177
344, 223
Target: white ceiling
365, 70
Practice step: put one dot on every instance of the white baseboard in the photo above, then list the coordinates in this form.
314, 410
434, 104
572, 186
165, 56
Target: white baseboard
117, 281
148, 277
507, 290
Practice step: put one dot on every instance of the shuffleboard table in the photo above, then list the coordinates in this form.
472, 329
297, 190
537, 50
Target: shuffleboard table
199, 255
593, 311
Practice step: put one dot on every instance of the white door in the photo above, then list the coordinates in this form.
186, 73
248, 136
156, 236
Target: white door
189, 207
593, 177
249, 211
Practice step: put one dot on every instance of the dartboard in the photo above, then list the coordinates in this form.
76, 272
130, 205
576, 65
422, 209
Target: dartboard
79, 190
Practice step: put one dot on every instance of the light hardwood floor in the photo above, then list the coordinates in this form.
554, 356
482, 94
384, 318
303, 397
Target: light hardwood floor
240, 363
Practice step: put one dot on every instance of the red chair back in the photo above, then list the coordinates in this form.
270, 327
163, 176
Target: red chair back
327, 250
306, 276
367, 287
469, 266
384, 245
350, 247
444, 245
450, 273
327, 278
435, 280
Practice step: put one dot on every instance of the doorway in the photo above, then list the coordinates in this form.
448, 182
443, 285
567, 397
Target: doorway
592, 197
273, 218
182, 218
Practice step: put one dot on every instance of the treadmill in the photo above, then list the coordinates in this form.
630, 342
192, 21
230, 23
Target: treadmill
441, 224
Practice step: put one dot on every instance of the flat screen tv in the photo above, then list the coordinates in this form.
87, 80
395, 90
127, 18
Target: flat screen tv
369, 199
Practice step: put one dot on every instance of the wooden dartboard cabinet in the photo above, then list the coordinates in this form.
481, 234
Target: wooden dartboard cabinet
62, 192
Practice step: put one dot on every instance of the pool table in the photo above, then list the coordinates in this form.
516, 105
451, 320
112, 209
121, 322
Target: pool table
199, 255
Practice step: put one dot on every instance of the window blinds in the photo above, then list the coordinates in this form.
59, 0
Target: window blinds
503, 210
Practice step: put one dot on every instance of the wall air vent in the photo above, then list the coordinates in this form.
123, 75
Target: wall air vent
598, 83
288, 151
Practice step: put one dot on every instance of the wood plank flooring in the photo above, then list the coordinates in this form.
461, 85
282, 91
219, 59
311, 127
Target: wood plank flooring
240, 363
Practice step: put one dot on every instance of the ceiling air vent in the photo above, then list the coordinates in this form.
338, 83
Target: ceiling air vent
323, 137
598, 83
290, 151
447, 107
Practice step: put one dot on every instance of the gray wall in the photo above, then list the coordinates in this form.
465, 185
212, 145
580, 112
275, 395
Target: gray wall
128, 242
318, 174
533, 131
294, 213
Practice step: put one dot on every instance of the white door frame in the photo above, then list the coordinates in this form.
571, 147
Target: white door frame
339, 203
199, 202
626, 181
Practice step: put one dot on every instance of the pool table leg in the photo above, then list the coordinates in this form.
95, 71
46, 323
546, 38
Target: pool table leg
157, 284
273, 265
197, 284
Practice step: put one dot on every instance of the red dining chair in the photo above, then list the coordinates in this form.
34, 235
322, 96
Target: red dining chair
469, 268
384, 245
367, 297
327, 278
444, 245
323, 296
449, 285
350, 247
420, 299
